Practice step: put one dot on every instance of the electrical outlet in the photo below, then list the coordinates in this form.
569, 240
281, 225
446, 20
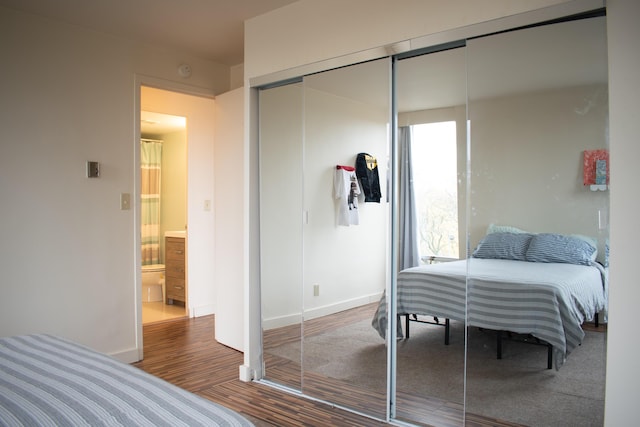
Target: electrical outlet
316, 290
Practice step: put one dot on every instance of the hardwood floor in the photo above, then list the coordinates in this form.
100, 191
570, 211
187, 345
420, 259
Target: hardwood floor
158, 311
184, 353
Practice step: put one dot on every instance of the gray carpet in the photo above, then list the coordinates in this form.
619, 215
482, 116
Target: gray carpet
517, 388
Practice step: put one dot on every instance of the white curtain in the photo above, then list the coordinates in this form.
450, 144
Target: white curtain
408, 256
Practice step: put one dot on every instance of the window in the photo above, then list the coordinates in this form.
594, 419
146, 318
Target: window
435, 183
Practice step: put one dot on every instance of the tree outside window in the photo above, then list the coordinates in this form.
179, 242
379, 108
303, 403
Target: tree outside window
434, 161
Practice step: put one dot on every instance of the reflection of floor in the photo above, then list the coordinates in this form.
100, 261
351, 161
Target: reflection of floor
358, 394
344, 363
158, 311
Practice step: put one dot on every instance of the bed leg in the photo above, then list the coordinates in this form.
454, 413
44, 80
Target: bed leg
499, 345
406, 318
446, 331
596, 319
549, 356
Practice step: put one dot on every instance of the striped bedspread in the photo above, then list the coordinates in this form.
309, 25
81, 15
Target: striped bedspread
547, 300
48, 381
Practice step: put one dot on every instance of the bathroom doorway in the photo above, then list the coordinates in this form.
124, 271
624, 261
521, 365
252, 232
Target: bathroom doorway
193, 235
163, 212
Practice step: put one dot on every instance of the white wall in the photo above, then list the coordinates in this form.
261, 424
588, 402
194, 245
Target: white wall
67, 252
299, 35
526, 162
623, 376
348, 263
281, 191
236, 80
305, 133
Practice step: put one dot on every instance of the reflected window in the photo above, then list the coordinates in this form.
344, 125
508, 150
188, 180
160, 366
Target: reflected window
434, 164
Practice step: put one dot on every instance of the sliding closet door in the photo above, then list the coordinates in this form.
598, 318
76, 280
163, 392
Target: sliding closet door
281, 227
345, 248
537, 101
432, 142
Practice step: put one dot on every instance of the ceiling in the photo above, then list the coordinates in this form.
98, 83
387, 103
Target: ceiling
535, 59
214, 30
209, 29
155, 125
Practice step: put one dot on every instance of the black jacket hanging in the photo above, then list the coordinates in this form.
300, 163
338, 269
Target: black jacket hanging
367, 173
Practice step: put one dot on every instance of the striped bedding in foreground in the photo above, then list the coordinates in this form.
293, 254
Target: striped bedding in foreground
547, 300
49, 381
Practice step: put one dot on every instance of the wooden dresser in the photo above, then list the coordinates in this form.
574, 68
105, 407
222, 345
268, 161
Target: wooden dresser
175, 269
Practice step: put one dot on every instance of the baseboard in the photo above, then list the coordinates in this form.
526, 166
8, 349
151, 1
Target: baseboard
203, 310
280, 321
292, 319
246, 373
341, 306
127, 356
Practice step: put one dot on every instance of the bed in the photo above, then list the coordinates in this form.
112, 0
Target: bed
49, 381
527, 289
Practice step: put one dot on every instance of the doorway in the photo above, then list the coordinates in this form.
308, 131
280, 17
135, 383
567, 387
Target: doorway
181, 125
163, 212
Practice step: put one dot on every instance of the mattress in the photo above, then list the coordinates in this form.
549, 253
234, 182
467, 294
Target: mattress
549, 301
49, 381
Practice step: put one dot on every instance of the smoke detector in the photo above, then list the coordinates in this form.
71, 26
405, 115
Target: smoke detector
184, 70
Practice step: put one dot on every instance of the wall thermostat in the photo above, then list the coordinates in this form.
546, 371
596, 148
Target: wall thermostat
93, 169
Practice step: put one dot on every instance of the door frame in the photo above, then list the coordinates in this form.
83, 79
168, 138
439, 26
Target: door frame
141, 80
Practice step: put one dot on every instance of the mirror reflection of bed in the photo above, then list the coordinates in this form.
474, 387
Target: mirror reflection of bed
527, 172
533, 108
533, 100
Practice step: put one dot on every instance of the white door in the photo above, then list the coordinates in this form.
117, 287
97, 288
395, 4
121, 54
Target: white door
229, 218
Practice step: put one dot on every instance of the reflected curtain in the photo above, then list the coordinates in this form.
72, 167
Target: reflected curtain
150, 165
408, 256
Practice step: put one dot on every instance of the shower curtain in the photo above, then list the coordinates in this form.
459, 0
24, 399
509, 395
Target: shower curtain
150, 165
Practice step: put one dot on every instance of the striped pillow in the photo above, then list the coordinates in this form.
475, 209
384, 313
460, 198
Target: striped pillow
547, 247
511, 246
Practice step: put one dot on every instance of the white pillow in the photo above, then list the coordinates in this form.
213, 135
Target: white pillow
493, 228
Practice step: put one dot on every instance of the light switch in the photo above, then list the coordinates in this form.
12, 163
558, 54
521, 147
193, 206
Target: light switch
603, 220
125, 201
207, 205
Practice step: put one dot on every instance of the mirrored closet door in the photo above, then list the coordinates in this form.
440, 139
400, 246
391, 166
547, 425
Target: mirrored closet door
505, 134
281, 227
430, 90
345, 238
324, 233
538, 115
